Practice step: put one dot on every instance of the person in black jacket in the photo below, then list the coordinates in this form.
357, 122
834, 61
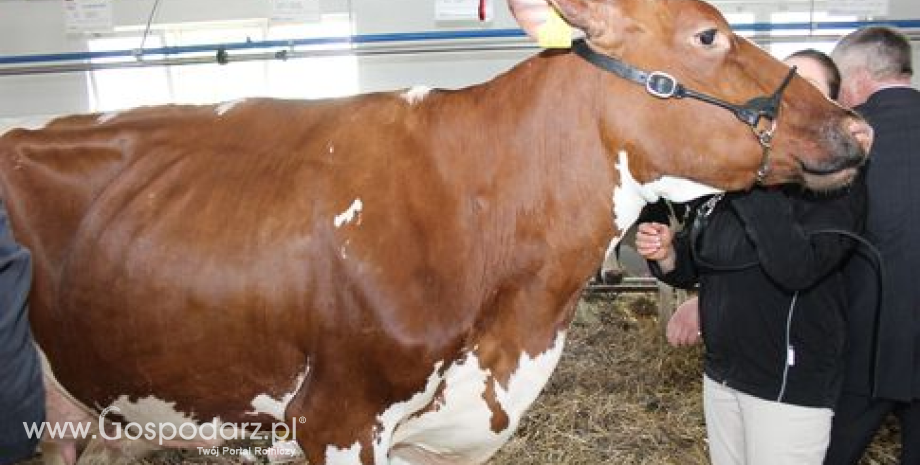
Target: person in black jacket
883, 356
22, 397
772, 301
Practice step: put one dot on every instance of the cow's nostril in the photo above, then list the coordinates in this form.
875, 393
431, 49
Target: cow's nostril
862, 132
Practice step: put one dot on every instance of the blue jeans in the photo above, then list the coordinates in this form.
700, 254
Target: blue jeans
22, 397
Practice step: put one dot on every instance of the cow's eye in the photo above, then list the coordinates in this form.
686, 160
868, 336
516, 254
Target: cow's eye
707, 37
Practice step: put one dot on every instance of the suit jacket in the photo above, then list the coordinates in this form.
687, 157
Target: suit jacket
883, 355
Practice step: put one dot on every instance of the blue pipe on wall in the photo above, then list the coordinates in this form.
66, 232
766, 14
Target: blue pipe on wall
402, 37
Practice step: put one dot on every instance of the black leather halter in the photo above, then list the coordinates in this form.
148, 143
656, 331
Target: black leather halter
665, 86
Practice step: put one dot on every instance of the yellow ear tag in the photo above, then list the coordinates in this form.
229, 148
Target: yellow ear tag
555, 32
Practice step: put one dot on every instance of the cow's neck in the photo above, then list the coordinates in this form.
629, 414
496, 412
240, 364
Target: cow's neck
529, 151
545, 118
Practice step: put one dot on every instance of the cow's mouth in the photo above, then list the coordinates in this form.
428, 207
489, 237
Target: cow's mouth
829, 177
830, 181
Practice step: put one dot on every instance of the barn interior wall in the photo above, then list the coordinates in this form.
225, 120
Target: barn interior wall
37, 27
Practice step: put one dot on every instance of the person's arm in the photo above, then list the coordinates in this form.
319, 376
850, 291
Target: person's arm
22, 398
782, 229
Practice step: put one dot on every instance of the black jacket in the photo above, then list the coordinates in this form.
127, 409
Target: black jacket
771, 291
893, 226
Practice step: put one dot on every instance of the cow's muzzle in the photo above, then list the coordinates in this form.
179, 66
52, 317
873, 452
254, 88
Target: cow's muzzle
850, 143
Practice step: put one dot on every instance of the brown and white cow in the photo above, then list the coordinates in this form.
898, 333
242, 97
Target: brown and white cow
393, 273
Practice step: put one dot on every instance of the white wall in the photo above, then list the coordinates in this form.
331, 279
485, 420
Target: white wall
436, 70
36, 27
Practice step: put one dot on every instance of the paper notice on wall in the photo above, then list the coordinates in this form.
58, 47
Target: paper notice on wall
463, 10
295, 11
88, 16
857, 7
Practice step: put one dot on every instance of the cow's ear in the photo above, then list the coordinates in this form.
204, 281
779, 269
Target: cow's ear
532, 15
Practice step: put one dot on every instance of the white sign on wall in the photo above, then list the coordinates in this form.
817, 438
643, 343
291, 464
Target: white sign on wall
858, 7
463, 10
295, 10
88, 16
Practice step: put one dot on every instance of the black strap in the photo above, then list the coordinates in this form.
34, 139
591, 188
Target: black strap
582, 49
664, 85
656, 83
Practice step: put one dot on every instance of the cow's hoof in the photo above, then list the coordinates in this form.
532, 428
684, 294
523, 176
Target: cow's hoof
611, 277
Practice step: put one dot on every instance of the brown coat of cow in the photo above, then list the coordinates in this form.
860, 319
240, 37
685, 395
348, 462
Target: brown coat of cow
393, 273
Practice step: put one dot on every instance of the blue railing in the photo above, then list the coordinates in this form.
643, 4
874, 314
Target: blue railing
425, 36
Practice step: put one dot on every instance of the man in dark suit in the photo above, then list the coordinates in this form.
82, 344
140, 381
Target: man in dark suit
883, 358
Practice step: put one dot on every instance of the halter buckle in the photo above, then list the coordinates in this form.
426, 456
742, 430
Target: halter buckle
661, 85
765, 136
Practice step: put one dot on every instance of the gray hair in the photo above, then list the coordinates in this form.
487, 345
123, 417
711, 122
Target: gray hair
883, 52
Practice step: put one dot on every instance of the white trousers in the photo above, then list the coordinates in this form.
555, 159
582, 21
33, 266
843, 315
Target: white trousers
746, 430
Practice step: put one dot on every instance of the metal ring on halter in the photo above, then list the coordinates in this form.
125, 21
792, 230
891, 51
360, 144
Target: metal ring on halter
765, 137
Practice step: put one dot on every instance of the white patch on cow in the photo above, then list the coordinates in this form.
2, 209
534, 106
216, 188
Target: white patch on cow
348, 215
35, 122
460, 422
628, 201
331, 147
680, 189
398, 412
227, 106
459, 426
106, 117
416, 94
151, 410
528, 380
264, 403
350, 456
630, 196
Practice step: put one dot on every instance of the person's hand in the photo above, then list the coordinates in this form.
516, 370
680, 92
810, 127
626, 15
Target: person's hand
653, 242
684, 325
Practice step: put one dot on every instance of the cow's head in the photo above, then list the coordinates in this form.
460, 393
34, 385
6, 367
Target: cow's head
712, 131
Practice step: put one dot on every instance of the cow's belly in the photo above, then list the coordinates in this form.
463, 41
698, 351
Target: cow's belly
457, 427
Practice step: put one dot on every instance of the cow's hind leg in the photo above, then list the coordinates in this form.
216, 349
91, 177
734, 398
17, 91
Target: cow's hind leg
59, 453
